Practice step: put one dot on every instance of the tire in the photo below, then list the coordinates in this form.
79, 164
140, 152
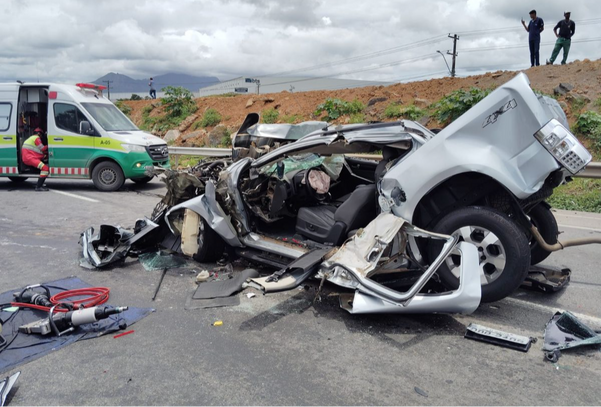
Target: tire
542, 217
142, 181
18, 180
108, 176
210, 245
505, 256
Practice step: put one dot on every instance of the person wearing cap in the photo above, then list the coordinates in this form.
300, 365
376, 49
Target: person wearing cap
536, 25
33, 152
153, 92
566, 28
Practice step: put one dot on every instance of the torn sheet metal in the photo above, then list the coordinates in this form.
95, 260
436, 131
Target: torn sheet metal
6, 385
112, 243
565, 331
464, 300
351, 266
499, 338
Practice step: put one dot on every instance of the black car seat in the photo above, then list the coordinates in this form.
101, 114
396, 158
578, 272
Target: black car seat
388, 154
330, 224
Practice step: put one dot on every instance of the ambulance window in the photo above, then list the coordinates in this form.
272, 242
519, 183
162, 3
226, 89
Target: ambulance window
5, 109
68, 117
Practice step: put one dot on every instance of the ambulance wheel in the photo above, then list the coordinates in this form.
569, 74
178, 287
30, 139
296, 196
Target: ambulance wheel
18, 180
108, 176
142, 181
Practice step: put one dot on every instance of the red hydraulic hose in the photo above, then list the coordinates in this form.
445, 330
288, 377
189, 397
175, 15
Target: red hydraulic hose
95, 296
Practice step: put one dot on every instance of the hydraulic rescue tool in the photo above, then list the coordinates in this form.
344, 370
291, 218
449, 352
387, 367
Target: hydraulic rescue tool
62, 323
64, 315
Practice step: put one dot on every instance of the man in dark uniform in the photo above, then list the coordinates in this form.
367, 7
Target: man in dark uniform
534, 28
566, 28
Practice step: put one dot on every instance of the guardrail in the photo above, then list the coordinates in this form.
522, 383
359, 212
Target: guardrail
593, 170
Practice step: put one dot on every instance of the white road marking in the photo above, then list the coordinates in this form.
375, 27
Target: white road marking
74, 196
580, 227
553, 310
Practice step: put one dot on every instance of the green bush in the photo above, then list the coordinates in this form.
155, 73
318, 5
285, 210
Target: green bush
270, 116
210, 118
357, 118
293, 118
588, 125
226, 140
392, 111
178, 102
135, 97
579, 195
123, 107
456, 103
335, 108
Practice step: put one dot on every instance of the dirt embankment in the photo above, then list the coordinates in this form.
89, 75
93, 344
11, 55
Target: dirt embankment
584, 76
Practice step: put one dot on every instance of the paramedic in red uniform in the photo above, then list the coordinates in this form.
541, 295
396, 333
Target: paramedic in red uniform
33, 152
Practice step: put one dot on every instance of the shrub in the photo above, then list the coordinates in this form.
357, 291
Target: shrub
392, 111
135, 97
588, 125
123, 107
357, 118
210, 118
293, 118
178, 102
456, 103
270, 116
226, 139
337, 107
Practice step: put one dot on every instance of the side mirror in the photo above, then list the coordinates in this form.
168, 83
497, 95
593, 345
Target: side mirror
86, 128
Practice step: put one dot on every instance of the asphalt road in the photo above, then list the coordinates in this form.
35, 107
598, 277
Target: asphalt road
282, 348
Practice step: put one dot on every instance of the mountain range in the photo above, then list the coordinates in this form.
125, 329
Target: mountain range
125, 84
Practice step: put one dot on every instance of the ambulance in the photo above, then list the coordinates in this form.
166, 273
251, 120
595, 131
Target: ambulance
88, 136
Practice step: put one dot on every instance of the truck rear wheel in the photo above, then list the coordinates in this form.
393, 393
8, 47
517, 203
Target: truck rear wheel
542, 217
502, 245
108, 176
18, 180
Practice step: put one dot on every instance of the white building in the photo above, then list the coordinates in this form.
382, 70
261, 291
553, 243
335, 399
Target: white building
267, 84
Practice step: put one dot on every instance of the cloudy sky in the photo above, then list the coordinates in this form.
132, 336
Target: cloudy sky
387, 40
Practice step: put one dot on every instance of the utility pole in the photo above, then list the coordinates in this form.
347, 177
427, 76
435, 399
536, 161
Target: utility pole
108, 85
455, 38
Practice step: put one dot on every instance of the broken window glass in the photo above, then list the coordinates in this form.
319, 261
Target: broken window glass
160, 260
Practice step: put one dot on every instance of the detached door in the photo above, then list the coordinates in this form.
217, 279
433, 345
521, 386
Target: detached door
69, 151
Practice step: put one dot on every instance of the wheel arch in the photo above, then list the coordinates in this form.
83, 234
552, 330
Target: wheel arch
461, 190
97, 160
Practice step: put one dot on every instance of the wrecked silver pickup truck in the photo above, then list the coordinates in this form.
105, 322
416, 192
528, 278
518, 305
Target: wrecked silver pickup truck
464, 207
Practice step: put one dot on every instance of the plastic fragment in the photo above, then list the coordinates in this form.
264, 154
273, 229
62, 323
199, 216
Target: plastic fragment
250, 295
202, 276
217, 323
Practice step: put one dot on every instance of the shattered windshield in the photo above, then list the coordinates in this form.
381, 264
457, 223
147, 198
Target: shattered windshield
109, 117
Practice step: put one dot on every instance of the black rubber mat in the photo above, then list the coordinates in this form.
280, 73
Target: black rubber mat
225, 288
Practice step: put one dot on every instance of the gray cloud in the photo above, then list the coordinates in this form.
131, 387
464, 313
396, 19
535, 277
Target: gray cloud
74, 40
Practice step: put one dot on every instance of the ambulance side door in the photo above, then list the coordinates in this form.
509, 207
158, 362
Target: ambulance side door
8, 136
69, 151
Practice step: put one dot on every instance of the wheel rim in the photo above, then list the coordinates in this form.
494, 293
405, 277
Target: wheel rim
108, 176
490, 250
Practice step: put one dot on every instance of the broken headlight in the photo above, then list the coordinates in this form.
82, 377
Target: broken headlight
564, 146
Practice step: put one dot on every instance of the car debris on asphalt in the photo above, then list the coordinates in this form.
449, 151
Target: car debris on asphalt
565, 331
499, 338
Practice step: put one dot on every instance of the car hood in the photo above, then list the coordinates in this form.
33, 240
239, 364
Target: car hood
137, 137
